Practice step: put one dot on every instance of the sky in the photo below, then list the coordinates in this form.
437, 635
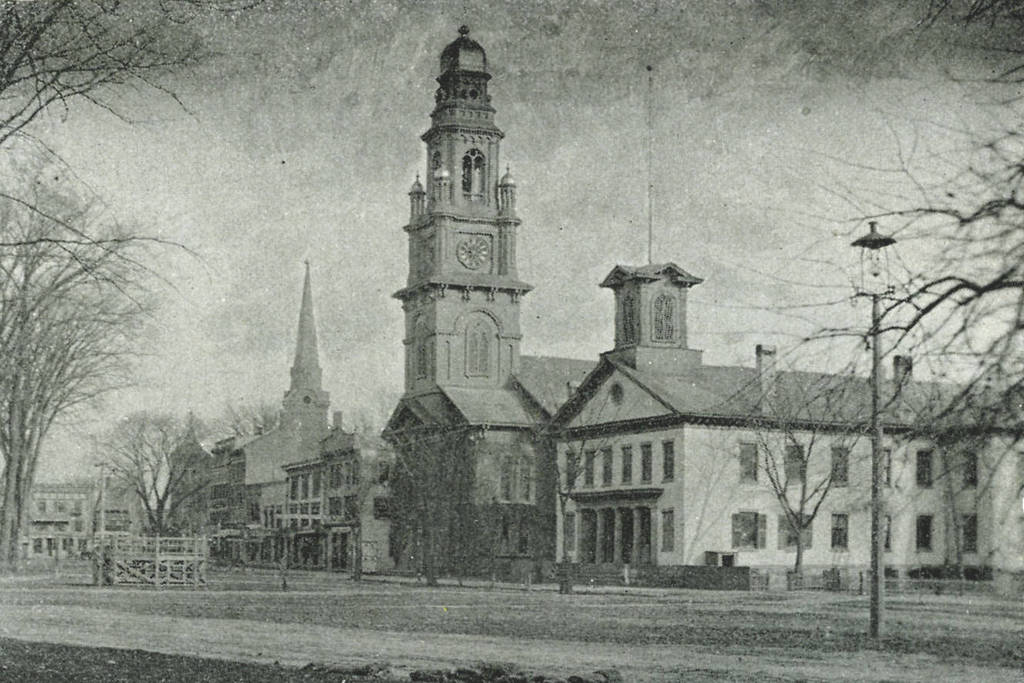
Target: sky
775, 129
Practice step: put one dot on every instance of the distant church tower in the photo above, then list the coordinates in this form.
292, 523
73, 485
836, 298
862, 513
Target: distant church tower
305, 403
461, 299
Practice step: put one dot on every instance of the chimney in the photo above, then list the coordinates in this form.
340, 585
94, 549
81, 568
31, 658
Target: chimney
336, 419
902, 370
765, 355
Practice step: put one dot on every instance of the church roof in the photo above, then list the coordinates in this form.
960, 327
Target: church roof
546, 379
495, 407
463, 53
652, 271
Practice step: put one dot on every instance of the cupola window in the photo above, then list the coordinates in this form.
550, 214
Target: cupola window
478, 349
473, 174
664, 317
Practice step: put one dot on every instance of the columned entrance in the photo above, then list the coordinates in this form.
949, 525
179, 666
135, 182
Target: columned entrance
617, 535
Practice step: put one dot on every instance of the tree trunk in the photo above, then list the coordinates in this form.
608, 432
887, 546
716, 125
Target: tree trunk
357, 553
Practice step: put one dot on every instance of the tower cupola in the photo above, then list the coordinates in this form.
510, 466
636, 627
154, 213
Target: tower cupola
416, 199
463, 54
507, 194
650, 316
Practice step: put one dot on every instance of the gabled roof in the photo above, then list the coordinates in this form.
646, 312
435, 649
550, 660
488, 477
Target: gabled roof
652, 271
495, 407
707, 392
546, 379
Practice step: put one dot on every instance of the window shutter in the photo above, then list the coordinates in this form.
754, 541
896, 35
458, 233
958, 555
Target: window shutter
783, 531
762, 530
735, 531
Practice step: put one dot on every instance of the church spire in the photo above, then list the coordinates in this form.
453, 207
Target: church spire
306, 372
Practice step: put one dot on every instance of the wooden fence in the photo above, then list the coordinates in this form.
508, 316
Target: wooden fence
152, 561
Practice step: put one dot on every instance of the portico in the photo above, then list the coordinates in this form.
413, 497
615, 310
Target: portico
616, 527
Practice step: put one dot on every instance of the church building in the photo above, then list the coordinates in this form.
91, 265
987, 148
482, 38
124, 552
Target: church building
473, 486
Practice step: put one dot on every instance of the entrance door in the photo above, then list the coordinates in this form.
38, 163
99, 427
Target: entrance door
339, 550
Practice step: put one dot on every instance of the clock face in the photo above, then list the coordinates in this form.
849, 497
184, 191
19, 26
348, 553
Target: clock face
473, 252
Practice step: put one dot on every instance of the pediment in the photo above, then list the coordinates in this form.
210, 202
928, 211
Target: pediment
615, 397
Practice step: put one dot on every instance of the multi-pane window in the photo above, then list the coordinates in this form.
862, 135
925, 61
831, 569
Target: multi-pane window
668, 530
924, 533
420, 339
794, 463
568, 533
606, 466
523, 543
525, 479
840, 466
335, 476
78, 507
840, 531
316, 483
41, 506
305, 486
351, 507
788, 534
748, 462
664, 318
61, 506
294, 484
969, 529
970, 470
748, 530
314, 508
627, 464
588, 468
924, 469
646, 463
668, 460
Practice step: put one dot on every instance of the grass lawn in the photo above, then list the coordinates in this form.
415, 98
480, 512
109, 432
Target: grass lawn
737, 631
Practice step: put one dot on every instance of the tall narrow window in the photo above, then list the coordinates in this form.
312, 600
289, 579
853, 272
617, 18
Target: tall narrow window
888, 533
840, 531
420, 340
645, 463
664, 312
478, 349
588, 468
924, 469
970, 470
568, 533
668, 460
748, 462
606, 466
924, 533
840, 465
473, 174
668, 530
795, 463
969, 532
627, 464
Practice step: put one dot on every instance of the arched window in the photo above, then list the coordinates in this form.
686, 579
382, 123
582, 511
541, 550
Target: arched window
473, 174
422, 350
478, 349
628, 320
435, 161
664, 315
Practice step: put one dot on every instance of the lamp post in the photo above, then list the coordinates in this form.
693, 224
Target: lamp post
874, 242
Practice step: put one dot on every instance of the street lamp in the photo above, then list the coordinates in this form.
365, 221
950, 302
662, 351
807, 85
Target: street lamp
873, 243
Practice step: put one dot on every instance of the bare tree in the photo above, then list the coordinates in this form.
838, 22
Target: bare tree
246, 419
805, 435
159, 457
69, 312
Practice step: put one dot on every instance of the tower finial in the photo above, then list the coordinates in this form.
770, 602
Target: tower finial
463, 30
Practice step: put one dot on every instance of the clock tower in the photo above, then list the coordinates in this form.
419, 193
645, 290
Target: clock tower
461, 298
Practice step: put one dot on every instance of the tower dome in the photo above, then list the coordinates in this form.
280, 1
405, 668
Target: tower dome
463, 54
507, 179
